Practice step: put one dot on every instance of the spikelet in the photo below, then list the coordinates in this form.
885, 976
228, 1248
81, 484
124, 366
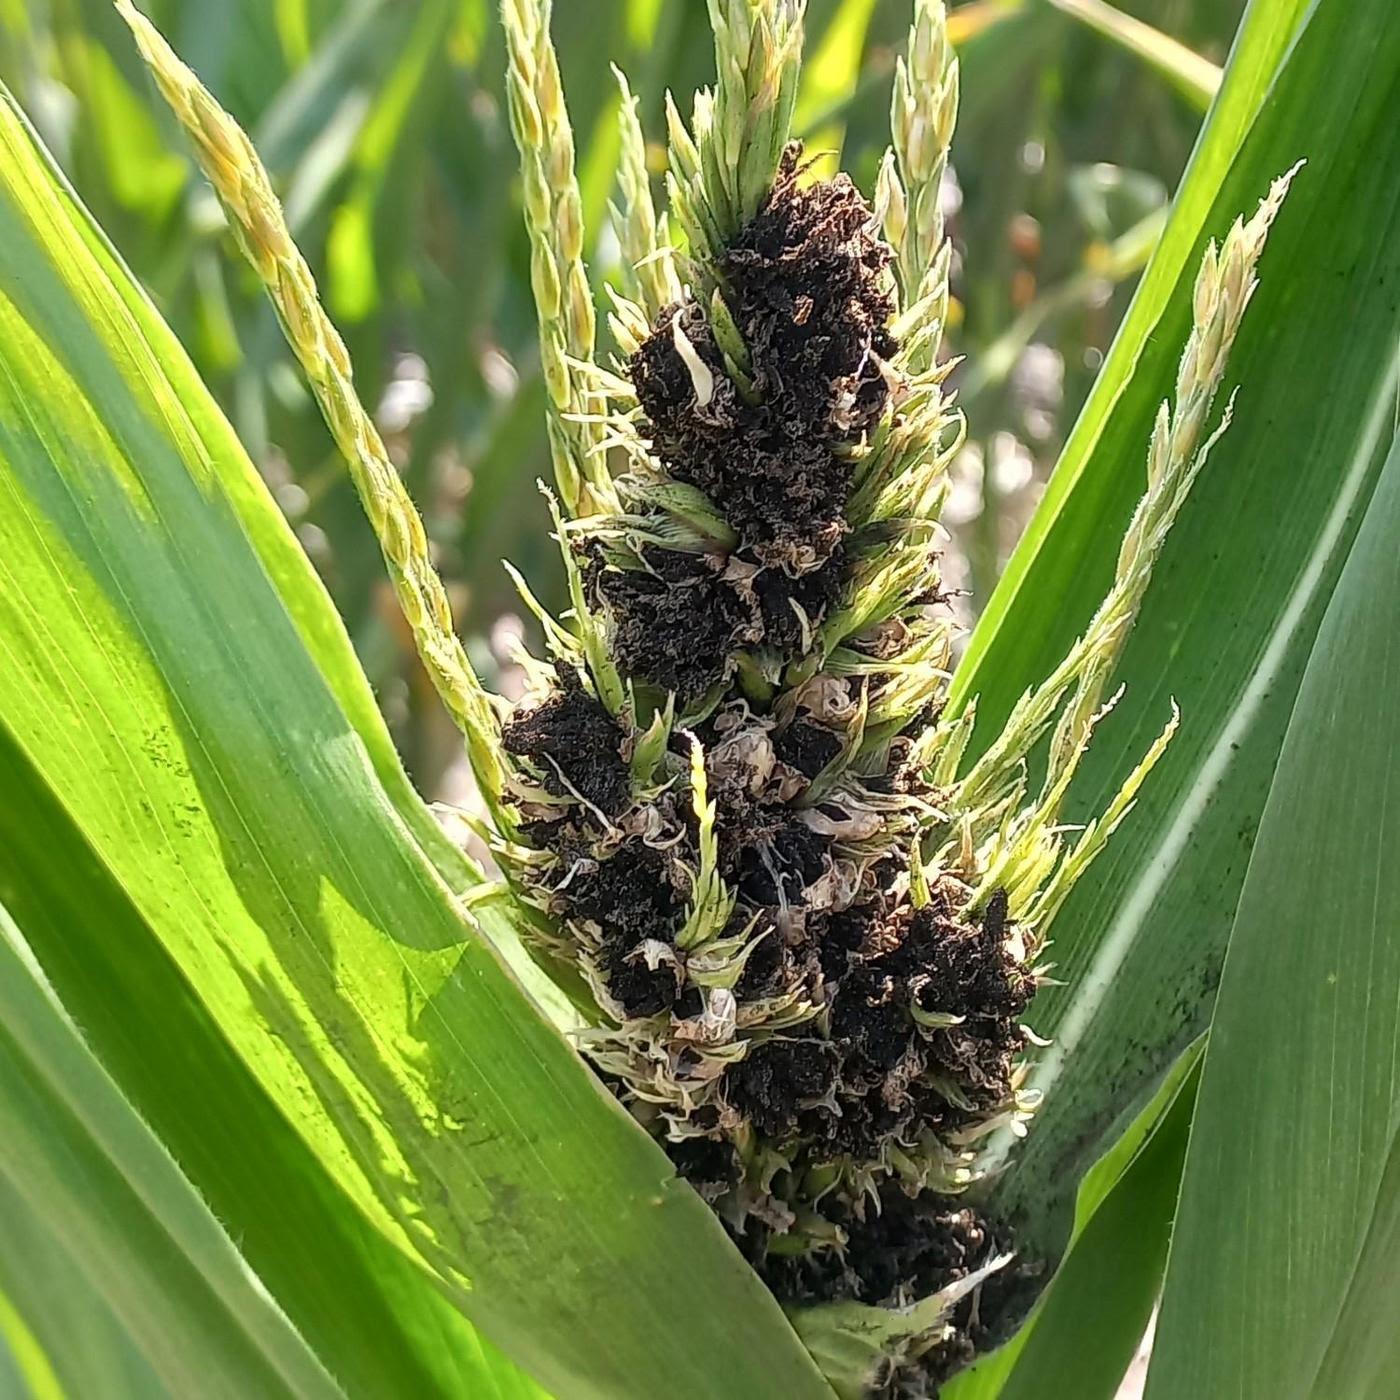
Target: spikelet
923, 113
649, 279
554, 220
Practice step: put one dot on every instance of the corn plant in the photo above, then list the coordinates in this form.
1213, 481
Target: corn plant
881, 980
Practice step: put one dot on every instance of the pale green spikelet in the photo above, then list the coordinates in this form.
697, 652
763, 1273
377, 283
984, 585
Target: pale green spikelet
758, 52
1069, 697
922, 117
648, 266
725, 165
554, 219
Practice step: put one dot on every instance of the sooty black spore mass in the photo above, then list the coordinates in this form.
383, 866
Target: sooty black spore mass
807, 283
678, 623
807, 747
874, 971
574, 743
902, 1250
631, 897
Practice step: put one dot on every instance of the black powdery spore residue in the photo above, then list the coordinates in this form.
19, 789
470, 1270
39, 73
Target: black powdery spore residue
677, 625
771, 479
636, 986
777, 1079
873, 1074
966, 969
767, 969
904, 1249
631, 898
629, 894
929, 960
806, 282
770, 856
871, 1018
574, 743
811, 295
679, 622
790, 604
711, 1166
806, 746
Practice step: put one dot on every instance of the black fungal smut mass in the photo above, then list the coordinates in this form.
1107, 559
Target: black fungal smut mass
807, 284
916, 1029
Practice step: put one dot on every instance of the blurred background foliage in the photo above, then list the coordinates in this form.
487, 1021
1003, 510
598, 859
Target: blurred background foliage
384, 125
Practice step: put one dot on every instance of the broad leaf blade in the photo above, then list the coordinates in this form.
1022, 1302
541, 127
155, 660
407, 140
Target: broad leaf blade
1284, 1267
1090, 486
162, 699
354, 1297
95, 1219
1197, 78
1101, 1301
1239, 592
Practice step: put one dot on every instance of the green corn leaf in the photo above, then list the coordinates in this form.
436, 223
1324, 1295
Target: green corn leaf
1090, 1321
1285, 1261
222, 872
355, 1298
1241, 587
1265, 36
1092, 1315
119, 1274
1099, 1306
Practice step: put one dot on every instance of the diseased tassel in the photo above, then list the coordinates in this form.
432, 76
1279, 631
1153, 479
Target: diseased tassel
814, 936
809, 1003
